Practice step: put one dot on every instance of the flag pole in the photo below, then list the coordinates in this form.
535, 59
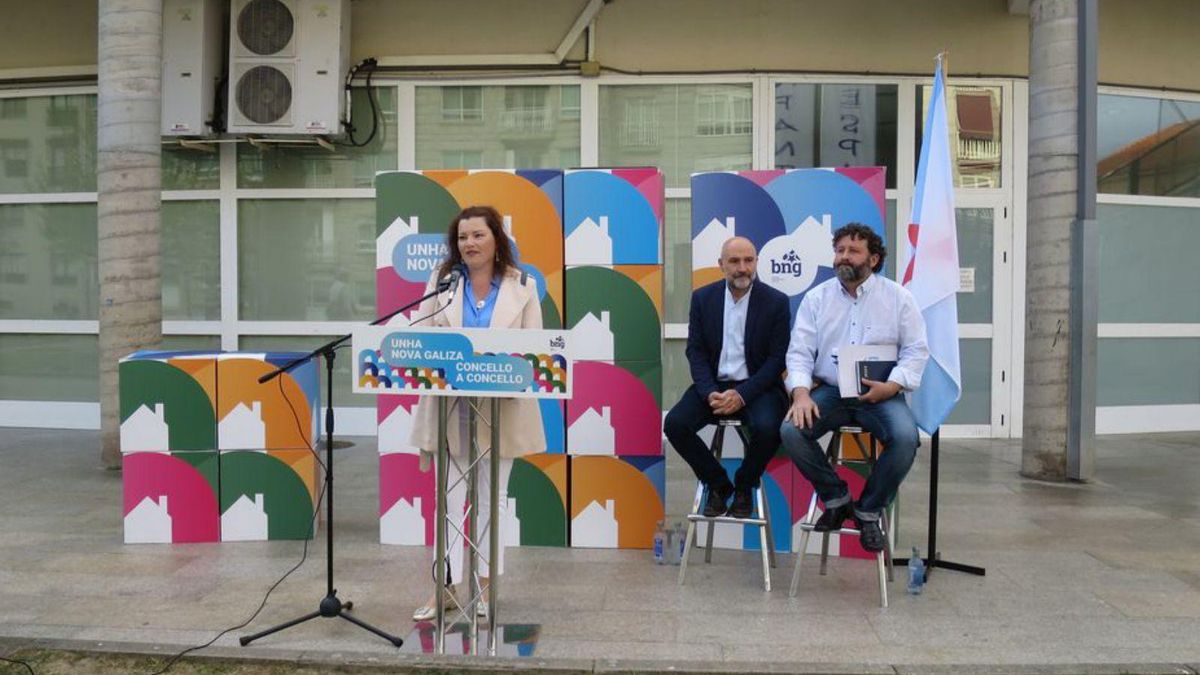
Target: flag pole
934, 558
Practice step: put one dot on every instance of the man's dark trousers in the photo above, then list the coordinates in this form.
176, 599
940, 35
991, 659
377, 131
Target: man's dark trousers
692, 413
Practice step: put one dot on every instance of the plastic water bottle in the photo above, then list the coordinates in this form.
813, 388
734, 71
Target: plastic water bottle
671, 546
660, 544
916, 572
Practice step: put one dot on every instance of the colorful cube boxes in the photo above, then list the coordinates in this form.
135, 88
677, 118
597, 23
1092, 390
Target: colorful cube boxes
212, 455
601, 275
614, 290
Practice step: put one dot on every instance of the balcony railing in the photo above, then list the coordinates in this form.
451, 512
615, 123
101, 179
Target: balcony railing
526, 121
639, 134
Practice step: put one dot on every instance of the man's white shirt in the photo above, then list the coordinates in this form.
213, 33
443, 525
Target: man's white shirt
884, 313
732, 364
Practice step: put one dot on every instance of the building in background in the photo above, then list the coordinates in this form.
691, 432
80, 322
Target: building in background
274, 248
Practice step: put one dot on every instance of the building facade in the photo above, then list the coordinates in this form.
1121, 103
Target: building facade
273, 247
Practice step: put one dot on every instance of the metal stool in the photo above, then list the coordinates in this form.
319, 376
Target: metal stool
763, 519
884, 557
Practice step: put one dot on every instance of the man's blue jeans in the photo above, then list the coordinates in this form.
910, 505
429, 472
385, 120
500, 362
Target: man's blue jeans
890, 422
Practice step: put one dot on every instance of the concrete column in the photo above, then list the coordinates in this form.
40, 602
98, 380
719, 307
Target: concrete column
129, 186
1053, 189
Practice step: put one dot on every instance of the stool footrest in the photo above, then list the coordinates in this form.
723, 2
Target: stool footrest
701, 518
807, 527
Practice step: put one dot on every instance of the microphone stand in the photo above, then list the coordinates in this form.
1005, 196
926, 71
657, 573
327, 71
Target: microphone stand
331, 605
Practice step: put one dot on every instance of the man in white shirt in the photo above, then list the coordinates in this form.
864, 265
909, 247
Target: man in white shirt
857, 307
737, 339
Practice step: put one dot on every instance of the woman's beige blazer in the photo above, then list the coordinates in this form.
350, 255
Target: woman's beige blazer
517, 306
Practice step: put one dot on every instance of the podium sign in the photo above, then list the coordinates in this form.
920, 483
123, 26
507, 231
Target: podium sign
476, 362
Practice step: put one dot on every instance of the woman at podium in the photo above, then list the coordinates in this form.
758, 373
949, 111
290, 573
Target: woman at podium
486, 290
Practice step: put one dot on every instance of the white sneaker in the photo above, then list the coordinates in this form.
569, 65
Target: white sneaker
428, 611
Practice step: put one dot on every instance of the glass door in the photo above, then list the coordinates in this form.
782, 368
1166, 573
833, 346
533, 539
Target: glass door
983, 311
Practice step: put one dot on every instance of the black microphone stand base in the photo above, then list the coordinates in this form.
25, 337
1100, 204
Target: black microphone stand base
935, 560
330, 607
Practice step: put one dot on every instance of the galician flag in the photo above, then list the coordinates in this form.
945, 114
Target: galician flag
932, 270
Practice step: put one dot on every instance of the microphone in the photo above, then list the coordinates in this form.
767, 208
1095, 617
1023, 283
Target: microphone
450, 281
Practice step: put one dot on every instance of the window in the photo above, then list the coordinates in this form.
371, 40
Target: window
639, 126
62, 112
656, 125
12, 108
306, 259
462, 104
525, 98
62, 273
462, 159
525, 110
836, 125
1148, 146
190, 262
734, 162
50, 256
1146, 263
50, 367
723, 113
13, 267
515, 127
48, 144
568, 158
973, 115
312, 166
62, 159
189, 169
569, 100
14, 156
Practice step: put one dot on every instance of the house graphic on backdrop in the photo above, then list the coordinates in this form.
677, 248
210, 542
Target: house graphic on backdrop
245, 520
403, 524
148, 522
394, 431
590, 243
595, 526
706, 246
592, 433
593, 338
145, 430
243, 428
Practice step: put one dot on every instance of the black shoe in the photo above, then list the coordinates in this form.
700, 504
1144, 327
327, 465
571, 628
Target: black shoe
742, 505
832, 519
716, 501
870, 536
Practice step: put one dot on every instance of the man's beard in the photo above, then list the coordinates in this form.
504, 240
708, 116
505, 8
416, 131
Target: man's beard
741, 283
849, 273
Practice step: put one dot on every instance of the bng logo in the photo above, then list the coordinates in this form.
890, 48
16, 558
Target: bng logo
789, 264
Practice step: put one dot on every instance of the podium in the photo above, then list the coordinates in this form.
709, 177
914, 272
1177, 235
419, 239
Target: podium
472, 365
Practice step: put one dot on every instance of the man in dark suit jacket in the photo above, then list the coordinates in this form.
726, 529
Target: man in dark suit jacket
737, 343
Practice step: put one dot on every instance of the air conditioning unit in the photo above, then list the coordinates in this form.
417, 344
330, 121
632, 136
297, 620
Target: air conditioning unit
287, 65
192, 32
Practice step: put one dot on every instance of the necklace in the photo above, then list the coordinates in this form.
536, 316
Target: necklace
480, 303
